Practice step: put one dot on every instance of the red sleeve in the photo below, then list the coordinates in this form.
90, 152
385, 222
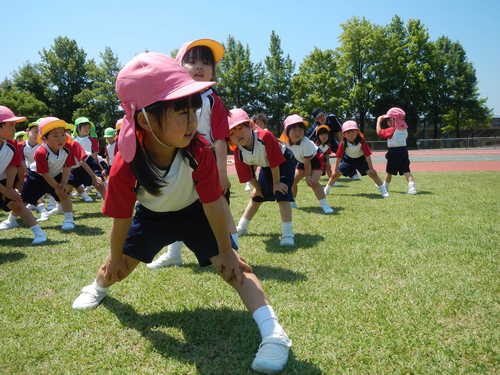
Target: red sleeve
120, 193
116, 146
42, 165
340, 150
386, 133
20, 148
273, 150
205, 176
78, 151
218, 119
366, 148
95, 144
244, 171
70, 160
16, 157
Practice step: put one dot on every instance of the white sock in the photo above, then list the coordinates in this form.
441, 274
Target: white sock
96, 285
11, 218
267, 321
411, 184
243, 223
36, 229
323, 203
286, 228
235, 238
174, 250
68, 216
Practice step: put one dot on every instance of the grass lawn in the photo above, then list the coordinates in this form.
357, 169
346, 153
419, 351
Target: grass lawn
404, 285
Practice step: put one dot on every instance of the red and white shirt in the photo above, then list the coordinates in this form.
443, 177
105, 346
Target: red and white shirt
27, 151
9, 156
185, 183
212, 117
266, 152
395, 137
305, 149
89, 144
53, 163
77, 152
353, 151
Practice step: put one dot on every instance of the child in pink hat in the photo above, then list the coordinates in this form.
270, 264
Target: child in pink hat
170, 170
199, 58
308, 157
398, 161
10, 160
257, 147
353, 156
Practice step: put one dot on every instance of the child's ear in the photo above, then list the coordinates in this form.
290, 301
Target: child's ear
141, 121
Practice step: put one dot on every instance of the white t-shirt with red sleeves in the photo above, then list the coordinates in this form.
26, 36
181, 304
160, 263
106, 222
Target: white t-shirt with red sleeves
266, 151
9, 156
48, 161
395, 137
305, 149
28, 151
212, 117
352, 150
77, 152
185, 183
89, 144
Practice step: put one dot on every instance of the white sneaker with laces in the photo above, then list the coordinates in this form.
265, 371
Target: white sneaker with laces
165, 260
327, 209
40, 237
7, 224
44, 216
89, 298
248, 186
287, 240
86, 197
68, 225
411, 189
272, 355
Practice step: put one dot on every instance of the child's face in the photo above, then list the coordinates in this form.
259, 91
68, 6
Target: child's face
241, 135
55, 139
391, 122
321, 118
33, 132
109, 139
198, 70
351, 135
261, 124
7, 130
296, 133
84, 130
323, 137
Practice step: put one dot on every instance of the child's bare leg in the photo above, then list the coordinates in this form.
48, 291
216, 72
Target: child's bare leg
374, 176
285, 211
299, 175
130, 265
251, 291
315, 186
409, 177
247, 216
19, 209
66, 205
388, 178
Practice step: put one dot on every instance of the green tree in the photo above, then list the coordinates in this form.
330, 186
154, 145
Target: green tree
64, 67
239, 77
276, 83
29, 78
99, 101
23, 103
317, 84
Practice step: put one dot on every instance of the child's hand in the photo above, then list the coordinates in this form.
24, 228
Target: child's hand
257, 192
61, 192
224, 183
116, 269
12, 195
230, 266
280, 188
68, 188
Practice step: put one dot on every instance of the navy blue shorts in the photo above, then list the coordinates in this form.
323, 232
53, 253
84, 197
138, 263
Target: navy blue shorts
348, 166
151, 231
92, 163
315, 163
35, 187
79, 177
4, 201
287, 171
398, 161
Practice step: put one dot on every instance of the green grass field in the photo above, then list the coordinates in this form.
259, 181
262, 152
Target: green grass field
404, 285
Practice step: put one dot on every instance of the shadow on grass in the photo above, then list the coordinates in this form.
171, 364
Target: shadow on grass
419, 192
80, 229
11, 257
89, 215
262, 272
217, 342
302, 241
25, 241
318, 210
364, 195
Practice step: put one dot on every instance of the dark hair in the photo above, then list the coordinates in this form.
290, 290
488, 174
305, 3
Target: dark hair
298, 124
321, 131
202, 53
78, 128
145, 171
358, 139
260, 117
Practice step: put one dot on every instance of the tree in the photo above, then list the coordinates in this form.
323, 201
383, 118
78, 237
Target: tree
99, 101
239, 77
29, 78
317, 84
23, 103
276, 83
64, 67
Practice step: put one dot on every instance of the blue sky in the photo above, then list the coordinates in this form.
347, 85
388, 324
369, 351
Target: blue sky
129, 27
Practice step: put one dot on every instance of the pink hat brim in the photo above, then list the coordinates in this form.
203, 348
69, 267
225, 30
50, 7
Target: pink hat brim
15, 119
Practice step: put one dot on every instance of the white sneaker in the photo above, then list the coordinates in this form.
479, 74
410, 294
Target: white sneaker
248, 186
68, 225
98, 195
327, 209
40, 237
86, 197
241, 231
89, 298
294, 204
272, 355
411, 189
326, 189
44, 216
165, 260
383, 190
31, 207
56, 211
287, 240
7, 224
356, 177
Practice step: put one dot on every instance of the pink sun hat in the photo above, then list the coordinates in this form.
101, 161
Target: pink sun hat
399, 116
293, 119
146, 79
349, 125
6, 115
236, 117
216, 48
